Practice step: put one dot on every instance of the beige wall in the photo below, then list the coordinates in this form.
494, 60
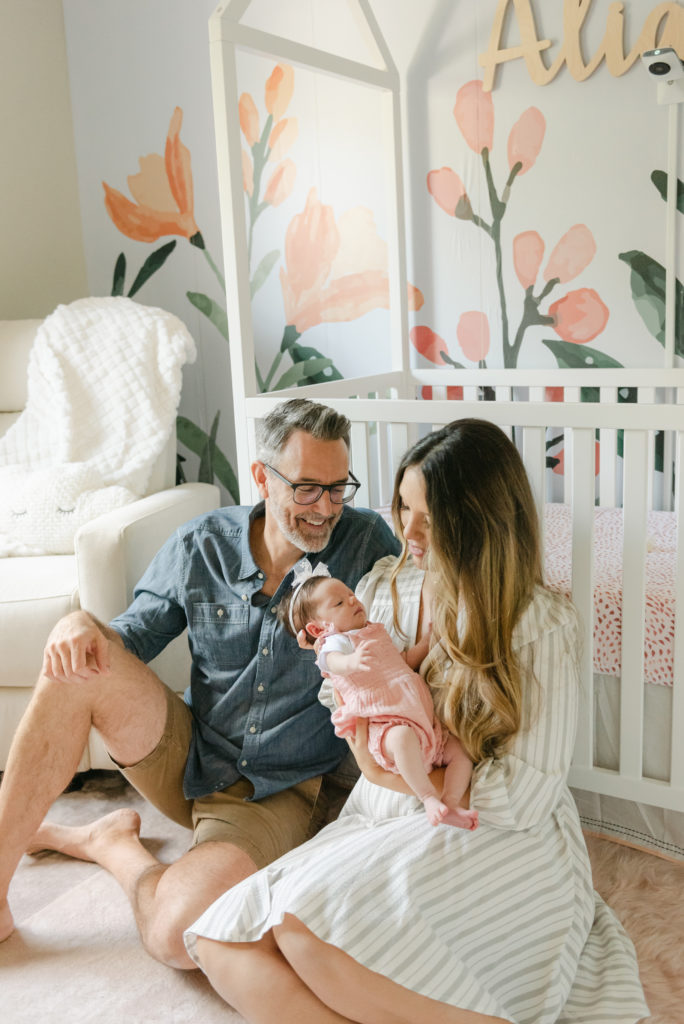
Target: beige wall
41, 247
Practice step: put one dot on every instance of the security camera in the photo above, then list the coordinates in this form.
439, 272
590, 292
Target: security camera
663, 64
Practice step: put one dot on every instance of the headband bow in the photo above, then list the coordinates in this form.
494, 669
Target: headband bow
303, 571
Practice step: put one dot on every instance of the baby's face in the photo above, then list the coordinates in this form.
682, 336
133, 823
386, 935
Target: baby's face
337, 605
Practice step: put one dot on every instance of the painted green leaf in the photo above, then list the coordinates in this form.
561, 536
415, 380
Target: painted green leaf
301, 373
648, 291
206, 466
119, 275
304, 353
265, 267
290, 336
571, 356
194, 438
151, 265
211, 310
659, 179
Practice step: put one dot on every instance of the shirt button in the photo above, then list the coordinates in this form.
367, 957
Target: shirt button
274, 610
260, 688
252, 728
245, 598
260, 575
264, 650
244, 764
220, 613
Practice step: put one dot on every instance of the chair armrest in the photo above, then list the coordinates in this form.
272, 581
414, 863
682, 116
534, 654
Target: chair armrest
113, 551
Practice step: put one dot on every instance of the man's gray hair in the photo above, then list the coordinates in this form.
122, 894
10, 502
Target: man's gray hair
320, 421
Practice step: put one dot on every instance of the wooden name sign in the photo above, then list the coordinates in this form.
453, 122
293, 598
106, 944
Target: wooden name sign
664, 26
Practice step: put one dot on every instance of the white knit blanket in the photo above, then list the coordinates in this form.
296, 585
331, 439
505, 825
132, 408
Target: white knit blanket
104, 381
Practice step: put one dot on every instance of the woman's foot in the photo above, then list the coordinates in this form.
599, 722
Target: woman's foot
87, 842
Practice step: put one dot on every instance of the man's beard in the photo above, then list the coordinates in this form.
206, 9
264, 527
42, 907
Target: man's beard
303, 538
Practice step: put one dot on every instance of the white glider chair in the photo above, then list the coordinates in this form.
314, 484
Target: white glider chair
111, 553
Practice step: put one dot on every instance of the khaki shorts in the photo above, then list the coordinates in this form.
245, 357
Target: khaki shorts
264, 829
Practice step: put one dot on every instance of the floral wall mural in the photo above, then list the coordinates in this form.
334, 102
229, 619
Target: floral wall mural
536, 237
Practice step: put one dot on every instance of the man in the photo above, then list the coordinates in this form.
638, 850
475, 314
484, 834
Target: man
242, 765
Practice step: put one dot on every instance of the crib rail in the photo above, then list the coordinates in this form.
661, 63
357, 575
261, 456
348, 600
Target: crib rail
382, 429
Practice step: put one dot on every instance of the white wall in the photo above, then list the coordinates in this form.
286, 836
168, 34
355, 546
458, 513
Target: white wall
41, 250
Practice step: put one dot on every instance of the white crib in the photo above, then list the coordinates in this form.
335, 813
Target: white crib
627, 747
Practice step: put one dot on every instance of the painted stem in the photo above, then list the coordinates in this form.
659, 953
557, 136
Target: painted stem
219, 275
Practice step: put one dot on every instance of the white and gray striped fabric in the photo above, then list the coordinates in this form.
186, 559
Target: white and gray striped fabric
503, 920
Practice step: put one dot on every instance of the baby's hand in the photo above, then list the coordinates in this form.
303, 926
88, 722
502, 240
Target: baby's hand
361, 659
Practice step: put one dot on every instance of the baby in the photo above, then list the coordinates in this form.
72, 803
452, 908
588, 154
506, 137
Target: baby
376, 681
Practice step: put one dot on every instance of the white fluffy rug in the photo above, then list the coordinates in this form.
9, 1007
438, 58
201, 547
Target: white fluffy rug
76, 958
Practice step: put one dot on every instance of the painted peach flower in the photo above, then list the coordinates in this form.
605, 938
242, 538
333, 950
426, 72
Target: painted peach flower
247, 173
446, 188
282, 137
528, 252
579, 316
334, 270
429, 344
249, 119
454, 393
559, 467
472, 332
525, 139
572, 254
279, 89
163, 194
280, 183
474, 113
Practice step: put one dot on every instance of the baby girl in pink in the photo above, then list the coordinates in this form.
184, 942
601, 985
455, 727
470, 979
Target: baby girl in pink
374, 680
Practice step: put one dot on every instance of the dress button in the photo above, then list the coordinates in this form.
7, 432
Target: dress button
252, 728
260, 688
264, 650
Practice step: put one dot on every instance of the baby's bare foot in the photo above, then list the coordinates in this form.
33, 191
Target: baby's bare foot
6, 921
435, 809
461, 818
86, 841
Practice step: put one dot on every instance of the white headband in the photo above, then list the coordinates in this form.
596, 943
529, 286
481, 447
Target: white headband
303, 571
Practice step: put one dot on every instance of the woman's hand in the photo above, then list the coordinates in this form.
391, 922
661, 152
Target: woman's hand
369, 766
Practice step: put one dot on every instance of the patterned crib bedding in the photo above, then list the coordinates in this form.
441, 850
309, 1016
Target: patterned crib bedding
661, 549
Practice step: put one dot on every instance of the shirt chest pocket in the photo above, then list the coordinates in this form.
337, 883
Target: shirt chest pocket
222, 627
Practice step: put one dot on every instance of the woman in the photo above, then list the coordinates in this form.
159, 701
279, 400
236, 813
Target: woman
384, 918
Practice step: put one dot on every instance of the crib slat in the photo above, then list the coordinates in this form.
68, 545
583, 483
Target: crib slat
534, 457
677, 747
361, 463
636, 463
608, 457
582, 476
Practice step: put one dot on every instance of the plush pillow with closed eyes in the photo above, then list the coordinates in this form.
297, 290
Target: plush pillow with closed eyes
41, 509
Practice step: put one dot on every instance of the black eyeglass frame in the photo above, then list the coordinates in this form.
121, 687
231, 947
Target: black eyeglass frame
321, 488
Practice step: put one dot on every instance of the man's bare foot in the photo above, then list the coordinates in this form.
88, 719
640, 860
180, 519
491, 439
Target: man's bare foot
6, 921
87, 841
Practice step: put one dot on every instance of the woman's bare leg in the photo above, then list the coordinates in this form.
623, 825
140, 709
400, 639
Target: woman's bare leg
312, 982
256, 979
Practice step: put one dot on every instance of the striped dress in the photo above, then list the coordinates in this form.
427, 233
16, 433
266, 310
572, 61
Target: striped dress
502, 920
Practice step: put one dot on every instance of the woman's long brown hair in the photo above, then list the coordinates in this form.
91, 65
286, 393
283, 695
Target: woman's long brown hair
485, 559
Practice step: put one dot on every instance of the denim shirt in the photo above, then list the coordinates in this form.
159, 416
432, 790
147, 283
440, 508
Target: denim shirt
253, 691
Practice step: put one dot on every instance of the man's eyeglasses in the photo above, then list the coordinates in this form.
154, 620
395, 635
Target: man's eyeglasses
307, 494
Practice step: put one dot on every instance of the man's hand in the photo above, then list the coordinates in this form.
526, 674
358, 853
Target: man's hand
77, 649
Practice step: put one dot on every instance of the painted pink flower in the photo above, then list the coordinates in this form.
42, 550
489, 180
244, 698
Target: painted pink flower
446, 188
282, 137
334, 271
579, 316
554, 394
280, 183
474, 113
572, 254
525, 139
279, 89
528, 252
472, 332
454, 393
249, 118
429, 344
